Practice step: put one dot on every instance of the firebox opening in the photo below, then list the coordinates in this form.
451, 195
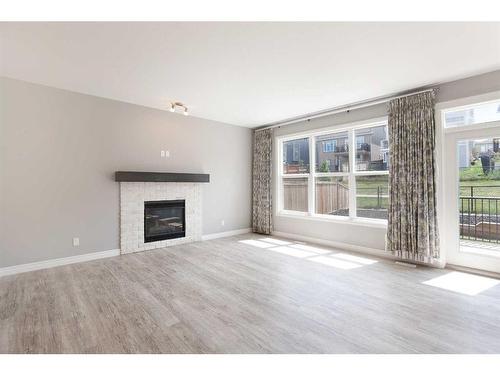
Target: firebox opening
164, 220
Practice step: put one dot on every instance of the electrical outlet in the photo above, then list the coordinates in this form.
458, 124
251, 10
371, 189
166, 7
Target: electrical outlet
76, 241
222, 223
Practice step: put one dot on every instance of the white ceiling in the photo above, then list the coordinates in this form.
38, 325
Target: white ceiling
246, 74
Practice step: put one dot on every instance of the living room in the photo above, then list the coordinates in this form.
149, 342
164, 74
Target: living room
249, 187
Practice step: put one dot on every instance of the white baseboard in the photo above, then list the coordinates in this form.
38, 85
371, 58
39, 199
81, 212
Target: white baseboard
476, 271
213, 236
338, 245
354, 248
98, 255
57, 262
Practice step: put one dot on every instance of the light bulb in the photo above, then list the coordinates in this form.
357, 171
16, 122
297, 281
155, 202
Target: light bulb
172, 108
186, 113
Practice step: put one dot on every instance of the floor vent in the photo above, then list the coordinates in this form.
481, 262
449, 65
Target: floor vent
404, 264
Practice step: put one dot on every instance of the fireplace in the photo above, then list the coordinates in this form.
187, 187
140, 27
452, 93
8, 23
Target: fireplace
141, 199
164, 220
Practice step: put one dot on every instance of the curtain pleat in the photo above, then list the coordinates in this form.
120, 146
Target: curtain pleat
412, 231
262, 182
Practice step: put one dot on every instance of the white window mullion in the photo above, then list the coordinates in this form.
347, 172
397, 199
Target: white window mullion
371, 173
352, 177
312, 172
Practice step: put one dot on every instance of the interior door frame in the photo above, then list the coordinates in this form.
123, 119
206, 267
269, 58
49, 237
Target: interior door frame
448, 183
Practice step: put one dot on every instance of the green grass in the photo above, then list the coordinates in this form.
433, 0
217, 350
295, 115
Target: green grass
372, 185
369, 184
475, 173
370, 203
472, 173
483, 186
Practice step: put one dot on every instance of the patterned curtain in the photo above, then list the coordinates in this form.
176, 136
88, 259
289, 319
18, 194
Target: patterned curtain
262, 199
412, 224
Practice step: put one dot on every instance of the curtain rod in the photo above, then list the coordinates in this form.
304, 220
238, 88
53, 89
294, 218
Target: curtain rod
347, 108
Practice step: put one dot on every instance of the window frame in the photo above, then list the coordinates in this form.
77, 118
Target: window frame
465, 107
311, 135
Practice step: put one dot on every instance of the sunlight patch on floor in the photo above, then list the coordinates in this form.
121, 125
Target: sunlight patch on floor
275, 241
463, 283
334, 262
354, 258
453, 281
311, 253
257, 243
291, 251
311, 249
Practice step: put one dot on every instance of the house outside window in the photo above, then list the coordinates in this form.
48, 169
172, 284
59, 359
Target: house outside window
329, 146
295, 156
296, 152
360, 139
332, 179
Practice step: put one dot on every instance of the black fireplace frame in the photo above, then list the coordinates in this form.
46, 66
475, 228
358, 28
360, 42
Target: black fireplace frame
167, 236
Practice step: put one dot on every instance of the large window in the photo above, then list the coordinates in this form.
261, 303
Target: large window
336, 173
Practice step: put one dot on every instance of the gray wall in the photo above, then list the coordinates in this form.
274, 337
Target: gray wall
58, 153
359, 235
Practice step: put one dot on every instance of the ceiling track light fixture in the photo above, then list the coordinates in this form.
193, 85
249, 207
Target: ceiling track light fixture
174, 105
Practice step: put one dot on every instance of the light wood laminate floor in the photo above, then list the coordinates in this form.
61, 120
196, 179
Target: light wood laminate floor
243, 294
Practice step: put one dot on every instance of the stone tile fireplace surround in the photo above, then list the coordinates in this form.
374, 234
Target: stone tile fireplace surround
133, 194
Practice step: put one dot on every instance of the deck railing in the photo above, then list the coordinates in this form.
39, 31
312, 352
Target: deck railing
479, 213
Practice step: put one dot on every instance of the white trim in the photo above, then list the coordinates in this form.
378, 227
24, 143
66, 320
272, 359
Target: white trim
27, 267
278, 181
311, 178
479, 251
374, 223
447, 181
213, 236
355, 248
339, 245
467, 101
351, 139
296, 175
475, 271
471, 127
464, 103
370, 173
331, 174
469, 106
